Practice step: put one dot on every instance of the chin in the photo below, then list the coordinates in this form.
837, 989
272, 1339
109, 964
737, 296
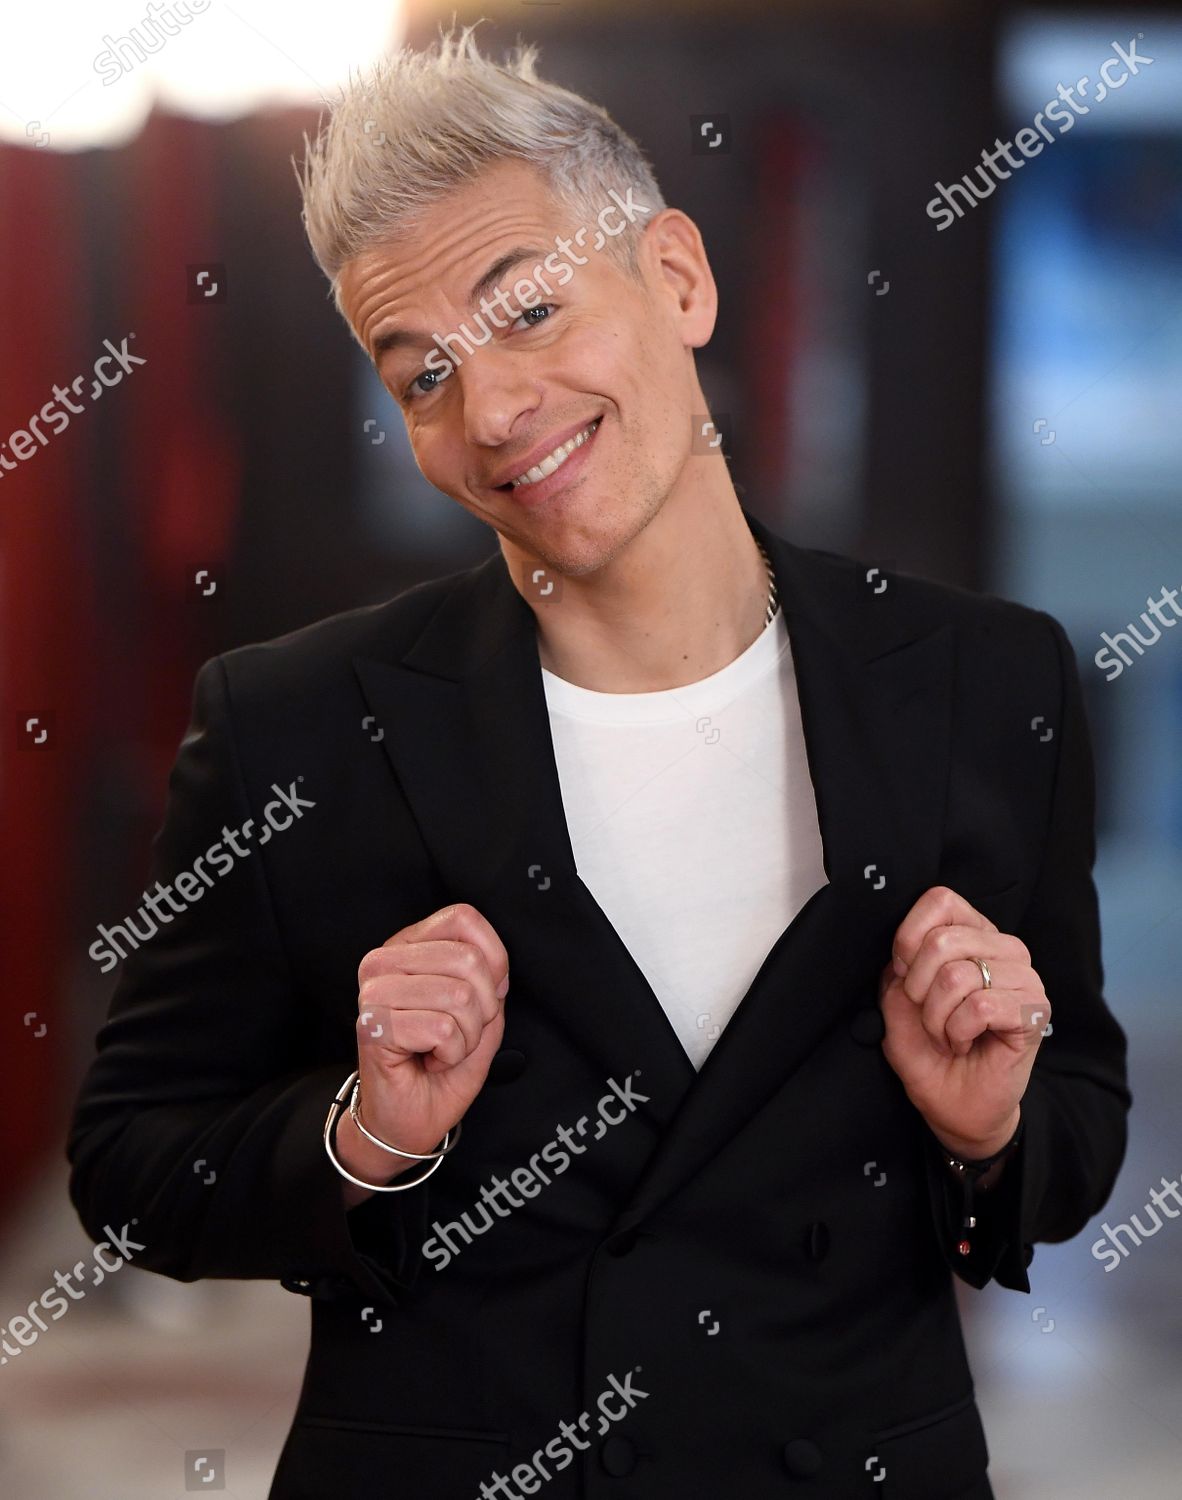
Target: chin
579, 537
577, 552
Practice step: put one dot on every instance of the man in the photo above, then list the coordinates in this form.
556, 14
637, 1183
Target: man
722, 889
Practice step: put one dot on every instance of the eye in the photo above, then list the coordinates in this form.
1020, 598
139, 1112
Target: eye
542, 307
414, 390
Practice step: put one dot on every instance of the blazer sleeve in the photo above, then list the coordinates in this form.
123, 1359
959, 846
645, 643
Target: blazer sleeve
1076, 1103
200, 1119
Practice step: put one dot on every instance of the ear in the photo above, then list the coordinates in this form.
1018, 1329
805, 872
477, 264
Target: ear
674, 260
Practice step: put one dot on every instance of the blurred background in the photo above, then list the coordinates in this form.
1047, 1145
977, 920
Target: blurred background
996, 403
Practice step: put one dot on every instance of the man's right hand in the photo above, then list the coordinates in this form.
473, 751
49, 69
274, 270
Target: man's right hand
430, 1019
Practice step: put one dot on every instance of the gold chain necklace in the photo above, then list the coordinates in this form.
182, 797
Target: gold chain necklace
773, 598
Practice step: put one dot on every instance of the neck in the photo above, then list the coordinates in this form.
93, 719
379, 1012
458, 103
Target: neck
682, 600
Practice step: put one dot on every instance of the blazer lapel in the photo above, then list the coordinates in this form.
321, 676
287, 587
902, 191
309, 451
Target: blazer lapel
467, 734
874, 696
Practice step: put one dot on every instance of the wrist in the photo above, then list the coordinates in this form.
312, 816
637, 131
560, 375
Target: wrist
979, 1148
360, 1143
363, 1159
988, 1179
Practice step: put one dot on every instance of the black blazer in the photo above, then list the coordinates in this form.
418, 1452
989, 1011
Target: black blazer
720, 1296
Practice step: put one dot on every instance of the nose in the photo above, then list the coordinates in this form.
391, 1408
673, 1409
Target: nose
497, 394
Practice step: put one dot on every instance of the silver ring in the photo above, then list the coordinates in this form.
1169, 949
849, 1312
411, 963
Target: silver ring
987, 983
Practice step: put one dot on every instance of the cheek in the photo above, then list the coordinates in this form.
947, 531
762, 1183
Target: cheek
442, 458
590, 358
659, 378
618, 365
429, 448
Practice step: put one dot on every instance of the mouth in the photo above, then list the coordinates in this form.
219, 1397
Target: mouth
538, 474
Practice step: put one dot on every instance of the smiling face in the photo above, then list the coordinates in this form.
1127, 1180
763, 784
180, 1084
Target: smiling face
601, 360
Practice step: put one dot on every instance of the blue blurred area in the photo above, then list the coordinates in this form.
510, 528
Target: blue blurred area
1081, 1384
1086, 422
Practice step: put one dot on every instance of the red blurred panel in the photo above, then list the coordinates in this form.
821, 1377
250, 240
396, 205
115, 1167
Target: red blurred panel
46, 662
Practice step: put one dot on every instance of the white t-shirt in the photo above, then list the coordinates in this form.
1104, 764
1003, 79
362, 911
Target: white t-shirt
693, 823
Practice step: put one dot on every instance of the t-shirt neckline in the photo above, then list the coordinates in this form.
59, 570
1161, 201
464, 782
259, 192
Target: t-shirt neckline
666, 705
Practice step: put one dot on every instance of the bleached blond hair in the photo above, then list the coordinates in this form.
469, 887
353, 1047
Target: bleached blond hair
416, 126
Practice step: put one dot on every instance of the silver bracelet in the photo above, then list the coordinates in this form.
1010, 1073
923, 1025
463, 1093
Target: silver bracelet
355, 1116
330, 1123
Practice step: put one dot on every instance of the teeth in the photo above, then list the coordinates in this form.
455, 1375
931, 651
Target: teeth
556, 459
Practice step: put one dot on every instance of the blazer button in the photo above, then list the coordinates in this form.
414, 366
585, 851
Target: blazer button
816, 1240
623, 1243
618, 1456
802, 1458
868, 1027
506, 1065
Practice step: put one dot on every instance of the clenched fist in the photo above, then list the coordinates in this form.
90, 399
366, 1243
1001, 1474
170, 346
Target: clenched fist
964, 1053
430, 1019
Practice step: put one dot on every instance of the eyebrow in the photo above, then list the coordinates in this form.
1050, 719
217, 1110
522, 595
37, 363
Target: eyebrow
399, 338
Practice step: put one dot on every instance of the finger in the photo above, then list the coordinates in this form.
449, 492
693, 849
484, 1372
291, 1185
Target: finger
947, 945
906, 1036
464, 923
960, 980
938, 906
442, 956
383, 1000
412, 1033
1004, 1011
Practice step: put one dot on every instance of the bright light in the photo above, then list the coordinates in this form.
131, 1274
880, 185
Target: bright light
1040, 50
79, 74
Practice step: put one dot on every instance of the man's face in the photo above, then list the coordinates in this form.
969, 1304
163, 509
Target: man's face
599, 347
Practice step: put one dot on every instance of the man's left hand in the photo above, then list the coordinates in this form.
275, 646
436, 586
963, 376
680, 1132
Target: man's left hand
963, 1052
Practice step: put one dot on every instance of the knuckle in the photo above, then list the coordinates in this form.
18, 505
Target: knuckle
946, 981
463, 994
367, 992
468, 957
